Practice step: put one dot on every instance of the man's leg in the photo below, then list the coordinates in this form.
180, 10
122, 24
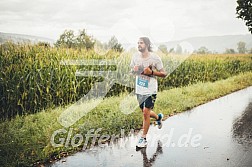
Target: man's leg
150, 104
147, 113
146, 124
153, 115
146, 121
146, 105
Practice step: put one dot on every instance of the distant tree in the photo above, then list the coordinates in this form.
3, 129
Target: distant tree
101, 45
229, 51
163, 48
185, 51
44, 44
250, 51
244, 12
171, 50
178, 49
202, 50
67, 39
241, 47
84, 41
114, 44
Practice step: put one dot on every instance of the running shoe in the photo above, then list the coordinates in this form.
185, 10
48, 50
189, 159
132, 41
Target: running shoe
142, 143
159, 120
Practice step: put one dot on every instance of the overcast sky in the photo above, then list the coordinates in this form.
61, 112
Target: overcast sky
161, 20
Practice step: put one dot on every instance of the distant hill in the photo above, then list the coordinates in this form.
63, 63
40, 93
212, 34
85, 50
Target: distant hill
215, 43
212, 43
4, 37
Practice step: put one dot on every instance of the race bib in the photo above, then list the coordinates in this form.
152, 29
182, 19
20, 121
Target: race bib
142, 82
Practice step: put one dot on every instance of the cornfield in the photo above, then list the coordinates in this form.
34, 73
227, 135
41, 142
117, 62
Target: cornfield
33, 77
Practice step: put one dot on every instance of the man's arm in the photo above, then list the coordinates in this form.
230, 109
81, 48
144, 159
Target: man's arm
160, 73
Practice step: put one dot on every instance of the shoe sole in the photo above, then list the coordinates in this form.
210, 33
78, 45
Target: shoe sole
139, 148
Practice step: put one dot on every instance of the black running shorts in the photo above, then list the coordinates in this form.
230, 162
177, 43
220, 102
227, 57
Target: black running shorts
146, 100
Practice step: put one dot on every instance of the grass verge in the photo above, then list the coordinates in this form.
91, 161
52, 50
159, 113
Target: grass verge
25, 141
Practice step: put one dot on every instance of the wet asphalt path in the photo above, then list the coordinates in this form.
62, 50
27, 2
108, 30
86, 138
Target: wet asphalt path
218, 133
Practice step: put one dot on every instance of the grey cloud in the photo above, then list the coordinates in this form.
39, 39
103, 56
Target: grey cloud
104, 12
190, 17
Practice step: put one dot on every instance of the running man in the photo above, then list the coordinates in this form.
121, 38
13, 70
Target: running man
147, 66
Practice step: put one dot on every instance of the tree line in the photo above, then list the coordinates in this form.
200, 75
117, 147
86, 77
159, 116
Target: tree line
82, 40
241, 49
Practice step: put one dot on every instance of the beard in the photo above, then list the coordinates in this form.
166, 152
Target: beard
141, 49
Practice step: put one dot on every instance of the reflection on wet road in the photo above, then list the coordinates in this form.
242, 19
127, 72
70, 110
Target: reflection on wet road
218, 133
149, 161
242, 127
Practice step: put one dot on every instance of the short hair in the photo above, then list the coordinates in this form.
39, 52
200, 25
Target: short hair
147, 42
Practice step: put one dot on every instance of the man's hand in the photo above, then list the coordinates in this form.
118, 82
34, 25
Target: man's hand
135, 68
143, 71
147, 71
138, 70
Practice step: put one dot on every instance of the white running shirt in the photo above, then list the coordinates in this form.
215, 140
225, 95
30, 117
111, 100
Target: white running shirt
146, 85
